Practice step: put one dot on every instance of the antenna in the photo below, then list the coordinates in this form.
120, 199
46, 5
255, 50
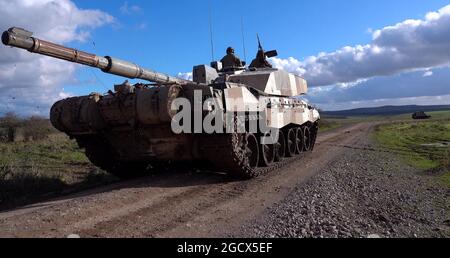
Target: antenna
259, 42
243, 38
211, 31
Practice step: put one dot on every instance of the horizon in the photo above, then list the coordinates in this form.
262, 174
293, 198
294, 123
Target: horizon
354, 55
447, 107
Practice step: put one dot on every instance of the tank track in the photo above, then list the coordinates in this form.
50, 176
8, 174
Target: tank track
225, 152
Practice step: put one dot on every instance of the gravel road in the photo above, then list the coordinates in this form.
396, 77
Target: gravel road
343, 189
365, 192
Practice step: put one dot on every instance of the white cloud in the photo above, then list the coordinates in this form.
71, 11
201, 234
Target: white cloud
185, 76
399, 89
30, 83
427, 74
406, 46
126, 8
346, 85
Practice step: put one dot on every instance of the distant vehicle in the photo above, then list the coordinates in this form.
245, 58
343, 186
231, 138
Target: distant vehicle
420, 115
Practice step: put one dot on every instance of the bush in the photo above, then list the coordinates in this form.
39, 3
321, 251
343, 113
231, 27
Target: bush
13, 128
37, 128
9, 119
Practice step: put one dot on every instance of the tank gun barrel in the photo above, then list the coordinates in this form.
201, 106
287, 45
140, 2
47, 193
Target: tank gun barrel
20, 38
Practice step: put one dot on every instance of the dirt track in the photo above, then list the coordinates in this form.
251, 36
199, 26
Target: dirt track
180, 204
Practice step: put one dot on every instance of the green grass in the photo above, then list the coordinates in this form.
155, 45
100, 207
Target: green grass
410, 140
328, 124
52, 165
57, 150
445, 179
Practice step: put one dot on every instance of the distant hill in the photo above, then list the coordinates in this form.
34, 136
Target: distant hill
386, 110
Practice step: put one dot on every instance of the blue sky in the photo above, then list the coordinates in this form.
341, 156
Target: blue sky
172, 36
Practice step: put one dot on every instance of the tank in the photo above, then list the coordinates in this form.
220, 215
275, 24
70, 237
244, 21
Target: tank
420, 115
242, 121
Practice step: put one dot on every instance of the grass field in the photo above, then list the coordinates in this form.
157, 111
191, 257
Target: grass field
422, 144
56, 151
51, 165
328, 124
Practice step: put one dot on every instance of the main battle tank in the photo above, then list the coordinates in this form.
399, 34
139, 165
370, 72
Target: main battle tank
243, 121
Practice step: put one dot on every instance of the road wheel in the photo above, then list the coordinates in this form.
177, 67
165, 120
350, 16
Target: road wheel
251, 149
291, 142
236, 154
314, 132
299, 140
267, 154
280, 146
307, 138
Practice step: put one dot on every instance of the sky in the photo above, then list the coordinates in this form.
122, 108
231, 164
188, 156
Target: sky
353, 53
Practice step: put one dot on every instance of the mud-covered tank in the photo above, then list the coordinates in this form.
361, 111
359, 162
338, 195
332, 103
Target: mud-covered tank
243, 121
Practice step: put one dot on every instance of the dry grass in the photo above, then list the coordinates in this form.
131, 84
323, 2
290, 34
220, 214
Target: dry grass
14, 128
